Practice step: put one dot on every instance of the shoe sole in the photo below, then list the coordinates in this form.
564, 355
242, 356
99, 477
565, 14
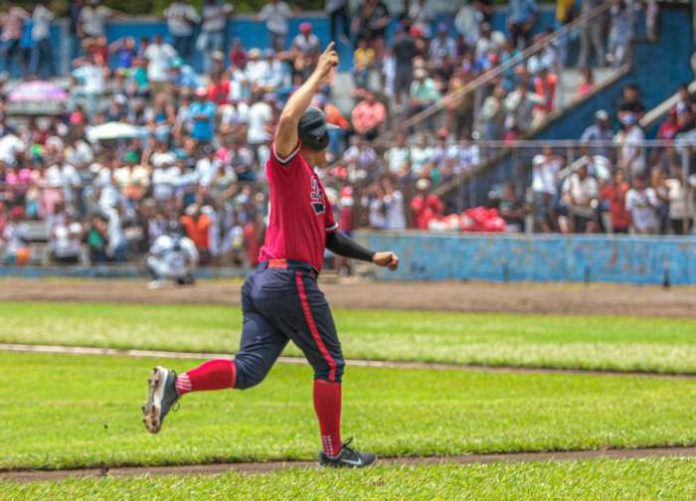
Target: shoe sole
152, 408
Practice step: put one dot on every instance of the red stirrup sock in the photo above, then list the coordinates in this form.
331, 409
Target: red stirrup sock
211, 375
327, 404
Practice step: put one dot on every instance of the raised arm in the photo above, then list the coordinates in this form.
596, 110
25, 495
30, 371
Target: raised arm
285, 139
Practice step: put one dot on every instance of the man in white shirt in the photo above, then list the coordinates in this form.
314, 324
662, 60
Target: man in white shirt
181, 18
11, 149
260, 120
580, 193
276, 14
545, 169
160, 56
632, 156
642, 204
91, 76
93, 19
41, 52
212, 37
172, 256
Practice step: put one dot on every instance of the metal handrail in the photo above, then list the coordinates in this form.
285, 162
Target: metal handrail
491, 74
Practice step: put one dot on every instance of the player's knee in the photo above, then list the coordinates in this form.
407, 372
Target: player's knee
248, 376
332, 373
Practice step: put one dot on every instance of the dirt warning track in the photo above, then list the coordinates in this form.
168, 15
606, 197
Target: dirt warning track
270, 466
563, 299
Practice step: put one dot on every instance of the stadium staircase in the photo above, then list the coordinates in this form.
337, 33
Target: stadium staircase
656, 75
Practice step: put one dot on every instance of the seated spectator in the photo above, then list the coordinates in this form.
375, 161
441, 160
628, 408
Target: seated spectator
425, 206
15, 238
580, 196
369, 116
361, 159
642, 204
520, 105
182, 76
238, 55
421, 155
423, 93
545, 89
363, 64
398, 156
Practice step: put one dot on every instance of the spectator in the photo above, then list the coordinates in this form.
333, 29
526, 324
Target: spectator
587, 85
197, 226
91, 77
361, 159
468, 22
680, 203
599, 132
423, 93
642, 204
12, 22
493, 114
404, 52
181, 19
212, 37
620, 33
425, 206
203, 112
363, 64
371, 24
522, 16
592, 36
276, 14
160, 56
65, 239
520, 105
421, 155
398, 156
545, 169
669, 128
238, 55
580, 195
511, 209
442, 50
15, 237
395, 212
629, 140
260, 121
369, 116
307, 49
337, 10
613, 196
630, 103
421, 14
42, 52
125, 51
93, 18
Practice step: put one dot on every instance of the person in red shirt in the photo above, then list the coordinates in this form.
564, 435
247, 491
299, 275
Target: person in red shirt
425, 206
282, 301
615, 195
197, 226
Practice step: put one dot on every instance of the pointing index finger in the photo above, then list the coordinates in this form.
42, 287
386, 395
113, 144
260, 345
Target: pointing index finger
330, 48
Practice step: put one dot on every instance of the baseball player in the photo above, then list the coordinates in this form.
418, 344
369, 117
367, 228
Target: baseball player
281, 301
172, 256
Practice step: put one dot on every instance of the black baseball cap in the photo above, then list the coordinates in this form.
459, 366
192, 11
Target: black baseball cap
313, 130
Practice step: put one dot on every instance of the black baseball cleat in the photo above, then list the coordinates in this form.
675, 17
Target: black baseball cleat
347, 458
161, 396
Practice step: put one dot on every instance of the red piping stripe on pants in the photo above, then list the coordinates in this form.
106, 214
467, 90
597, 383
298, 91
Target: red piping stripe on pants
313, 327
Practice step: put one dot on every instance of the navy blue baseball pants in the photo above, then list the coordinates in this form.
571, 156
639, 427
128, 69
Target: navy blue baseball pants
281, 301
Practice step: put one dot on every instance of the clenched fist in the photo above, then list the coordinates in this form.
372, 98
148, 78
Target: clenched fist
388, 259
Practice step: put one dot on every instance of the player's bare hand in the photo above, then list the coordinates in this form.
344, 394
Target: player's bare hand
388, 259
328, 60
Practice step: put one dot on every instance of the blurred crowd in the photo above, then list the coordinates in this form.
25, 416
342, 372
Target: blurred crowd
149, 140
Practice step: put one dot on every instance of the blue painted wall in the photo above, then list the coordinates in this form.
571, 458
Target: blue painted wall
557, 258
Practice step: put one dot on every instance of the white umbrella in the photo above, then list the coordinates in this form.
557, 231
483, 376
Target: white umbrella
112, 130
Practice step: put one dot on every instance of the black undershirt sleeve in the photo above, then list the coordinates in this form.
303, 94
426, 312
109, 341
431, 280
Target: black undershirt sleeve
341, 244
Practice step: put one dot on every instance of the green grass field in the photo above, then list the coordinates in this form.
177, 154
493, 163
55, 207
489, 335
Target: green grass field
587, 342
587, 480
70, 411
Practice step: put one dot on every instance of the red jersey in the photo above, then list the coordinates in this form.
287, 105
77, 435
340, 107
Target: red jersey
300, 213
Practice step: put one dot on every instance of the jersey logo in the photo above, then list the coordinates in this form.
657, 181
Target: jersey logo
317, 198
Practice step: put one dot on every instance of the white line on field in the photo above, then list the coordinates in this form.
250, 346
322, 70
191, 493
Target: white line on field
380, 364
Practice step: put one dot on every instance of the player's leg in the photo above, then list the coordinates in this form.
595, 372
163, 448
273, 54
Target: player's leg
316, 336
261, 344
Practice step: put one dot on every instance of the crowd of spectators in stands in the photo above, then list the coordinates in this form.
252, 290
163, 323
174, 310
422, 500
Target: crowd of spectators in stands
203, 136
